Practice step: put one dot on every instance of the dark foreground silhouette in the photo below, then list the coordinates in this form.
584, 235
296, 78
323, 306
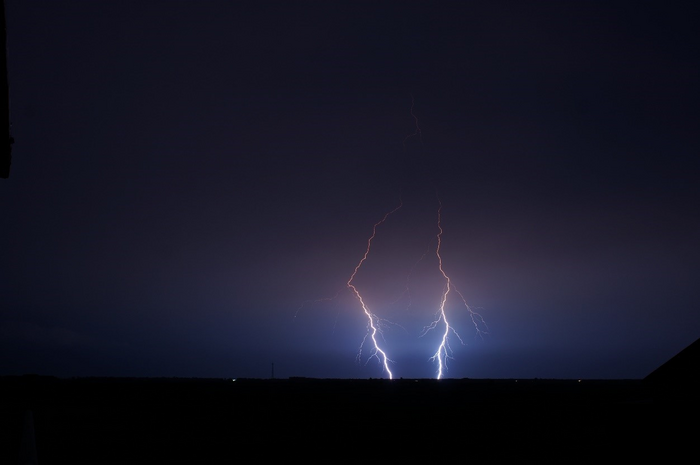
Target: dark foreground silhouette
176, 420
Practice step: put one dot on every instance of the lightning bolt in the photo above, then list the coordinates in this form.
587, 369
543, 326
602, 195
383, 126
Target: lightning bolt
444, 351
441, 323
373, 322
417, 132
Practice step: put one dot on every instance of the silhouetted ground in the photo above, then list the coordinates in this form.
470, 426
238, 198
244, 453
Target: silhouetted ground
175, 420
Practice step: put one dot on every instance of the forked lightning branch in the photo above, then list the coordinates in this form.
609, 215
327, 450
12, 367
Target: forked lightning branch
373, 342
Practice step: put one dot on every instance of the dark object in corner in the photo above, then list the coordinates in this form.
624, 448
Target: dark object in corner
678, 380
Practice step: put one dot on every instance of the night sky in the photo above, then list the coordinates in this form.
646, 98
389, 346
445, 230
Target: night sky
190, 179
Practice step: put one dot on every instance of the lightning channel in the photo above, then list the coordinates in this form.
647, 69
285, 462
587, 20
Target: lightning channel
373, 340
373, 321
417, 131
444, 351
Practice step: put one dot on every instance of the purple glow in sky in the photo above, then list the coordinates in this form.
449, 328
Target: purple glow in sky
186, 174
